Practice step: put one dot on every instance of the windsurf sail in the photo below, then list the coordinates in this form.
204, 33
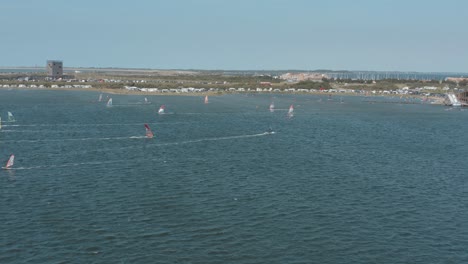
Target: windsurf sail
0, 123
11, 118
161, 109
109, 103
291, 111
149, 133
206, 99
272, 107
10, 162
146, 100
100, 98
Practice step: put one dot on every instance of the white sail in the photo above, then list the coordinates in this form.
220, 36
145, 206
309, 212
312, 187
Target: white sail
11, 118
100, 98
0, 123
109, 103
291, 111
453, 99
272, 107
10, 162
206, 99
161, 109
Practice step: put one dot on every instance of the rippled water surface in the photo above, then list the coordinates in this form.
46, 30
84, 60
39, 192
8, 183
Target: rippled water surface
340, 182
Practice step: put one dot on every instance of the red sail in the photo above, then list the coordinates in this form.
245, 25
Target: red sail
149, 133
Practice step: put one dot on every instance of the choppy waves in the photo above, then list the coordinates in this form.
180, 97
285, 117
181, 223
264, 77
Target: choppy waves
339, 183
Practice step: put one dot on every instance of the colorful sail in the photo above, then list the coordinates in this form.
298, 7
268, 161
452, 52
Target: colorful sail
161, 109
206, 99
272, 107
10, 162
291, 111
11, 118
149, 133
109, 103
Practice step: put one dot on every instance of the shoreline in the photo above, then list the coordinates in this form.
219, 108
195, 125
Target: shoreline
437, 100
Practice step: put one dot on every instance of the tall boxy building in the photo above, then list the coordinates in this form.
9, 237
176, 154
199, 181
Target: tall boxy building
54, 69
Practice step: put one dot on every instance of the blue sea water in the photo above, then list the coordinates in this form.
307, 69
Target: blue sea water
350, 182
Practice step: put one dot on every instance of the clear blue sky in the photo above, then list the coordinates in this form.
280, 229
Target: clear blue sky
402, 35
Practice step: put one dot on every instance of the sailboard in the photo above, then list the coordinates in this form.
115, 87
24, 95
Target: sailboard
269, 131
146, 101
272, 107
100, 98
291, 111
109, 103
10, 162
161, 109
149, 133
11, 118
206, 99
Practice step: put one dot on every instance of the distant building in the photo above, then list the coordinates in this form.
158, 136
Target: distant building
54, 69
456, 79
265, 83
463, 98
298, 77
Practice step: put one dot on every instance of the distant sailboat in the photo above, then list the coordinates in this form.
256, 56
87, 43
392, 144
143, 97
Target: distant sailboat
291, 111
11, 118
206, 99
109, 103
269, 131
161, 109
10, 162
272, 107
100, 98
149, 133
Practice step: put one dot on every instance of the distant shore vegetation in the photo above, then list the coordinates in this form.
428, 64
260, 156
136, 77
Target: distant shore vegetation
174, 80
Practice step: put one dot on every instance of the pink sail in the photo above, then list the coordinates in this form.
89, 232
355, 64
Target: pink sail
149, 133
291, 111
206, 99
10, 162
